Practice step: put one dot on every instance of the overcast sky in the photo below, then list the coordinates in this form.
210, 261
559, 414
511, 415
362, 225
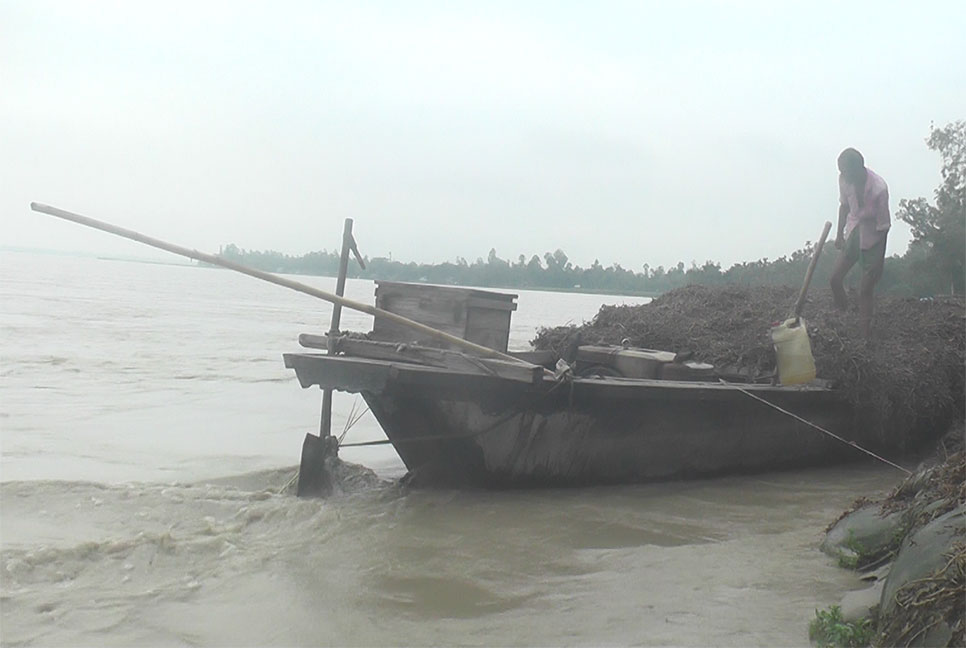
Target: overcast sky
630, 132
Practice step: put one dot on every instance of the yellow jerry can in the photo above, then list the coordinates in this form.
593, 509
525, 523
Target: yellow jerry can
795, 362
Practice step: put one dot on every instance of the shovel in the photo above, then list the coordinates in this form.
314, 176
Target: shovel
800, 304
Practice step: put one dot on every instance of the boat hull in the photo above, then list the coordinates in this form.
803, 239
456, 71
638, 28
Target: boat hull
450, 427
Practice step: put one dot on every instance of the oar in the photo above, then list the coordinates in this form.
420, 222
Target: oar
275, 279
800, 304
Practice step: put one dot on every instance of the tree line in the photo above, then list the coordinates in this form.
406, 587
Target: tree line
932, 264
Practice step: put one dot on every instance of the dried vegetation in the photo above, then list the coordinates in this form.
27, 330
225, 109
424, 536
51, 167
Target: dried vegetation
924, 604
908, 382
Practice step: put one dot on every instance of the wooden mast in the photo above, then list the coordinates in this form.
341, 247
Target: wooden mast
348, 243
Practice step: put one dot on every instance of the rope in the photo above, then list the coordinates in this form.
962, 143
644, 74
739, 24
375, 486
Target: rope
359, 444
817, 427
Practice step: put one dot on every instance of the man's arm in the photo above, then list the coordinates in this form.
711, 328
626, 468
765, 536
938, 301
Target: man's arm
840, 232
882, 219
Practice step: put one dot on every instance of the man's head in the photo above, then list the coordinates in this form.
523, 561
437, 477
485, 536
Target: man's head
852, 166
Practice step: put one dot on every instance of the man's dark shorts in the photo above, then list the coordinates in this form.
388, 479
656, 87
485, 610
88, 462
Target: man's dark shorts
871, 259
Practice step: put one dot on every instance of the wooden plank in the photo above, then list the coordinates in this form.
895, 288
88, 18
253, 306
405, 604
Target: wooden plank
313, 341
447, 384
447, 316
489, 338
393, 333
488, 318
519, 371
489, 327
399, 287
432, 311
343, 374
491, 304
394, 294
542, 358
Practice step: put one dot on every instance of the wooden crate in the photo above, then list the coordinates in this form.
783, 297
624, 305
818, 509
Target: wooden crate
480, 316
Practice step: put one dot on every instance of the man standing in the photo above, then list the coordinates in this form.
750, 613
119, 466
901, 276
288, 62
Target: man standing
861, 236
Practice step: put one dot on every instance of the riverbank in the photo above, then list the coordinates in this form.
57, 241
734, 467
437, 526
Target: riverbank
910, 547
907, 383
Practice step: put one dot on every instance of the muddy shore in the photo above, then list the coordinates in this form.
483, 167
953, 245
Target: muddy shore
909, 546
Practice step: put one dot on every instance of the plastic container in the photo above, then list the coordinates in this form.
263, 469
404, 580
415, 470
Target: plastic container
795, 362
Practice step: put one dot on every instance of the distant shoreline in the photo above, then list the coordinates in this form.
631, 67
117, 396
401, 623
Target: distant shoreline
580, 291
92, 255
196, 264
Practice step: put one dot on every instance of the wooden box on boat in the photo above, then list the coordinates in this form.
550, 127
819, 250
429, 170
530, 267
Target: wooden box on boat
479, 316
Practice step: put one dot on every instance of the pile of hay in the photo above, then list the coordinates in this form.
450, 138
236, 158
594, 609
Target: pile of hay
908, 382
941, 481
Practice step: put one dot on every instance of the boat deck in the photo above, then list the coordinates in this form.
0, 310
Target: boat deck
355, 375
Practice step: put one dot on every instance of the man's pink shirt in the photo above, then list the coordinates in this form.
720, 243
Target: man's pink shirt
872, 218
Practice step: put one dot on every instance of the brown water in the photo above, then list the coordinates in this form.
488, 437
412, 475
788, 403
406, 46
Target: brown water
158, 394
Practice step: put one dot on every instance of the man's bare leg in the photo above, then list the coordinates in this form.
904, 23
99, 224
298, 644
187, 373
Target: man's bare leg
870, 277
866, 291
842, 266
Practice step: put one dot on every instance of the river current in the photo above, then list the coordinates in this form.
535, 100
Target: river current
148, 431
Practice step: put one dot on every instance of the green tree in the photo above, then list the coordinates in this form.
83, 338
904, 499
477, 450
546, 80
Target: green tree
939, 231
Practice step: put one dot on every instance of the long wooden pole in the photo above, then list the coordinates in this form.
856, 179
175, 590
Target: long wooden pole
271, 278
800, 304
325, 425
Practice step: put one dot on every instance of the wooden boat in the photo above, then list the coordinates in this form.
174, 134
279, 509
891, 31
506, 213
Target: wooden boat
498, 431
455, 417
499, 423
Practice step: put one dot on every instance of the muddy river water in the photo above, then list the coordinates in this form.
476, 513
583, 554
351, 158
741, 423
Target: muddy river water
148, 430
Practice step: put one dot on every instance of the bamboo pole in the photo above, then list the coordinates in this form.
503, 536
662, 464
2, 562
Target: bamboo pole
271, 278
325, 425
800, 304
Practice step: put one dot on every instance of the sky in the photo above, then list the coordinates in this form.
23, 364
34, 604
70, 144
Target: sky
627, 132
